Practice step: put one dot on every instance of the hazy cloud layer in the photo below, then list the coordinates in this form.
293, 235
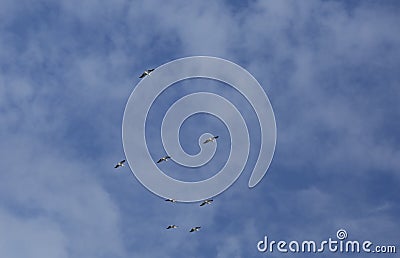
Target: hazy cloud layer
66, 72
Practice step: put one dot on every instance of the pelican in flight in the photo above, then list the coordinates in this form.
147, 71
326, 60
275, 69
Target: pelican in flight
170, 200
172, 226
209, 201
120, 164
145, 73
211, 139
163, 159
195, 229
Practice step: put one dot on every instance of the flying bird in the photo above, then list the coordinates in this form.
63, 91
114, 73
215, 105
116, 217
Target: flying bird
172, 226
209, 201
120, 164
163, 159
170, 200
195, 229
145, 73
211, 139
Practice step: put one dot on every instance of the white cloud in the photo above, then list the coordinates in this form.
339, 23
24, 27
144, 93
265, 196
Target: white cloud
63, 197
28, 237
67, 78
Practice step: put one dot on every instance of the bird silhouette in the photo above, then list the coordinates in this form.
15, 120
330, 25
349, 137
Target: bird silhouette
145, 73
209, 201
195, 229
120, 164
163, 159
211, 139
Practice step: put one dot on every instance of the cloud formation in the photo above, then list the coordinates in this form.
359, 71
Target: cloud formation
67, 69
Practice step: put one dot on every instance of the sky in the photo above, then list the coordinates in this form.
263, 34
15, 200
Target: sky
67, 69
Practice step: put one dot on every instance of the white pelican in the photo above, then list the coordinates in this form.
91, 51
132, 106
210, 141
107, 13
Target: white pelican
145, 73
172, 226
209, 201
211, 139
120, 164
195, 229
163, 159
170, 200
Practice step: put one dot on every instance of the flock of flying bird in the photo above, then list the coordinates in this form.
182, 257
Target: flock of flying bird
165, 158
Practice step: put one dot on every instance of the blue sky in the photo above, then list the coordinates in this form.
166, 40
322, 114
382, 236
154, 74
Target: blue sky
67, 68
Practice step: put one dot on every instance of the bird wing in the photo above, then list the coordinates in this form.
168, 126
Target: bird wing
123, 161
150, 70
143, 75
202, 204
116, 166
159, 160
